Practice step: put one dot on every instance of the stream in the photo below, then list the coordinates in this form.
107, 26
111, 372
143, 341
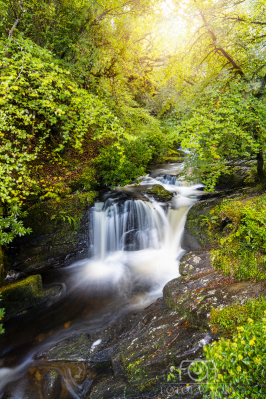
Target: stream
136, 246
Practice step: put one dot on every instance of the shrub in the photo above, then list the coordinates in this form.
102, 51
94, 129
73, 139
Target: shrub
225, 321
40, 105
239, 365
120, 163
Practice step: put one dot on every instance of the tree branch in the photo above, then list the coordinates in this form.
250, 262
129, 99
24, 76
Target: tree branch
206, 57
11, 32
224, 52
244, 20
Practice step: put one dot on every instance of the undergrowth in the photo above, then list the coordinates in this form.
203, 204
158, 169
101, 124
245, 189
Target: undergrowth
236, 368
238, 226
226, 321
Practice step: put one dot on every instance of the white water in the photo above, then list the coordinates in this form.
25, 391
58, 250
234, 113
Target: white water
136, 248
137, 243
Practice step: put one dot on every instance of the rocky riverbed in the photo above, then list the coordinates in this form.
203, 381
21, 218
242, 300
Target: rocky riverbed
136, 354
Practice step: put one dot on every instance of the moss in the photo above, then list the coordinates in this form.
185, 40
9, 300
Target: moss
44, 217
147, 385
160, 193
238, 226
22, 294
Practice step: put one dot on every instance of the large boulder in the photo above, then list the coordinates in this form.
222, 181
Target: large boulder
59, 233
200, 288
196, 231
26, 293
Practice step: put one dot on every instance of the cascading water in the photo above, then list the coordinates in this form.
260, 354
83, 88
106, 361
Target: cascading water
136, 246
128, 225
167, 179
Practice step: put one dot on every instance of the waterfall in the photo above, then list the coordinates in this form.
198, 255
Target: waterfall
129, 225
136, 242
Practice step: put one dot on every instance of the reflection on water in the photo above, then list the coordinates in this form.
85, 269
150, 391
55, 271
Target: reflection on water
136, 247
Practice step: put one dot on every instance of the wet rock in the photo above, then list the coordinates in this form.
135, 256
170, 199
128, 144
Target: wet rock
76, 348
200, 289
196, 262
21, 294
159, 193
51, 385
240, 175
196, 231
26, 293
111, 388
153, 341
59, 234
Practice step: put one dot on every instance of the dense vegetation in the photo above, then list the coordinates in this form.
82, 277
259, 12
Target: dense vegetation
238, 226
239, 370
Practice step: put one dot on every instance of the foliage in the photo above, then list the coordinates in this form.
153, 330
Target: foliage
238, 225
85, 180
10, 225
40, 105
63, 216
218, 73
239, 365
226, 321
229, 123
123, 161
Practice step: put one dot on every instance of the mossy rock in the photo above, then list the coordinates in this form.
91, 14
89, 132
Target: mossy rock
22, 294
159, 193
59, 232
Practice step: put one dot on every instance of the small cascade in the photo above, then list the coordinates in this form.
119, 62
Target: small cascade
126, 226
136, 242
167, 179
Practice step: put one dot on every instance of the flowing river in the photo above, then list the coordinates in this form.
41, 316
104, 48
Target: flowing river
136, 246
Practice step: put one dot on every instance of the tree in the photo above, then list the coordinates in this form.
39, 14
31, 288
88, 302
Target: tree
220, 43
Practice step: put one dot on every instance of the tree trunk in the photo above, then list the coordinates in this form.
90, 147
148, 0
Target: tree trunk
260, 163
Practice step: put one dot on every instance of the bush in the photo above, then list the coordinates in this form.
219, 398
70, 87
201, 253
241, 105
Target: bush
242, 247
40, 106
225, 321
120, 163
239, 366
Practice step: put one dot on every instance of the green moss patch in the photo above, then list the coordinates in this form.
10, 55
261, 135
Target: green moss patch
21, 294
160, 193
